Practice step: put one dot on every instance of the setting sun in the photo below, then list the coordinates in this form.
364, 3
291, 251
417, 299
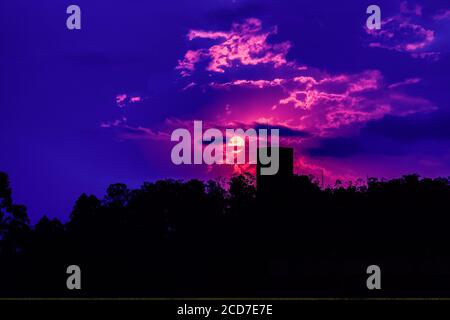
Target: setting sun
237, 143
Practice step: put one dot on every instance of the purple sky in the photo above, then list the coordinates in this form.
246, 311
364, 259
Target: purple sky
82, 109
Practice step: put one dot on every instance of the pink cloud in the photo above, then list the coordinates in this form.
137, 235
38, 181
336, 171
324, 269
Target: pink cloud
399, 34
191, 58
443, 15
120, 100
308, 100
406, 33
123, 100
248, 83
126, 131
114, 123
324, 102
311, 100
325, 105
246, 44
135, 99
333, 100
404, 83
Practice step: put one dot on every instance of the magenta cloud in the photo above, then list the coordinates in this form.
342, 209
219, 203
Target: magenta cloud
123, 100
404, 83
401, 35
246, 44
298, 99
309, 100
442, 15
324, 104
409, 32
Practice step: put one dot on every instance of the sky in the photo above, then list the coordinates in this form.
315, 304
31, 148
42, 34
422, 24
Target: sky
81, 109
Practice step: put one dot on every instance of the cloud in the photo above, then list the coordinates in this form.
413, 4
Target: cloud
123, 100
404, 83
319, 114
318, 102
246, 44
399, 34
405, 32
442, 15
307, 104
336, 147
285, 131
261, 84
240, 79
322, 104
392, 135
126, 131
306, 92
431, 126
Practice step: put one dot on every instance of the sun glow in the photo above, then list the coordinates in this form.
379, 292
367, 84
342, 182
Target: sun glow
237, 143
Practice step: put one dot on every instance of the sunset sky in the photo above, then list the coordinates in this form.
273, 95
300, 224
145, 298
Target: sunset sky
82, 109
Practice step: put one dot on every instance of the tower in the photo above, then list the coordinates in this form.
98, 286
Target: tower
279, 182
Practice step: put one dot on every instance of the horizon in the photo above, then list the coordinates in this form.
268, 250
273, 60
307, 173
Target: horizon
224, 183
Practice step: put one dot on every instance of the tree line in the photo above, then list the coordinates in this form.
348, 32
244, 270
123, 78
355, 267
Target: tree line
223, 237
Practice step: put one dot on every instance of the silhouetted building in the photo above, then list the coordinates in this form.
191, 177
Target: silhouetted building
277, 183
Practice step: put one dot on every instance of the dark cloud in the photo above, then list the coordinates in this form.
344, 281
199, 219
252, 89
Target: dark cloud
419, 133
284, 131
433, 126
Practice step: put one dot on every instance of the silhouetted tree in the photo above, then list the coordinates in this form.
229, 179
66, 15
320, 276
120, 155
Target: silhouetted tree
173, 237
5, 201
